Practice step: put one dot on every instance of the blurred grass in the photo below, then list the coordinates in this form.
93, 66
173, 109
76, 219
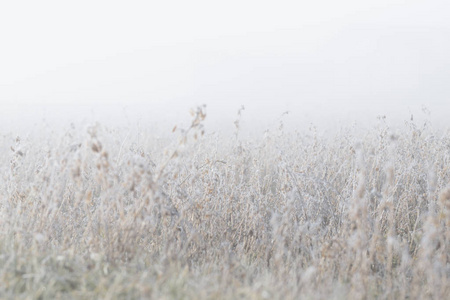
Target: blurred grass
111, 214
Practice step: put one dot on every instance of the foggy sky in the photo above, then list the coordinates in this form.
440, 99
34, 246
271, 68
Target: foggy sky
320, 60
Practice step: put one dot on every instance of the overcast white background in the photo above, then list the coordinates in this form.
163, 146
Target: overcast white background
321, 60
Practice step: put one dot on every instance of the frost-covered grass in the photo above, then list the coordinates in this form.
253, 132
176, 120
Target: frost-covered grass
101, 213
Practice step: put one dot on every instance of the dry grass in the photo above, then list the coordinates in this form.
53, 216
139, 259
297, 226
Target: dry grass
114, 214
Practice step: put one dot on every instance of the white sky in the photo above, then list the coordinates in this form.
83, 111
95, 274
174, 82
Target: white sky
314, 58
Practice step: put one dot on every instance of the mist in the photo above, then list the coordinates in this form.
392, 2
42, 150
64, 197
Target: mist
143, 63
225, 149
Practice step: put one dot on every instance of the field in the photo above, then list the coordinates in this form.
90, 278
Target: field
97, 212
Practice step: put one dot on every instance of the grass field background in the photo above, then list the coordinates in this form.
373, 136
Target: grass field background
112, 212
